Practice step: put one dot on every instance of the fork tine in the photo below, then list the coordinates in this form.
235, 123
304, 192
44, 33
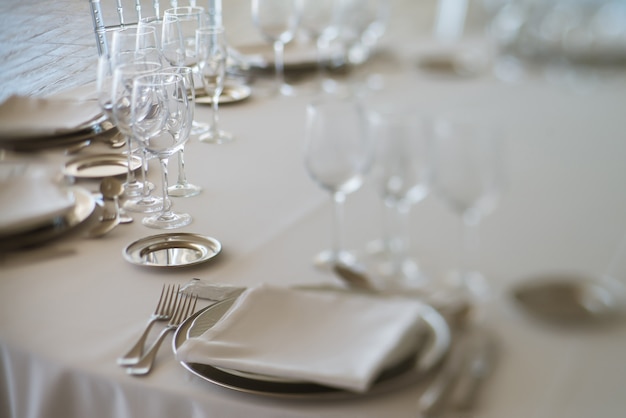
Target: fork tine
164, 309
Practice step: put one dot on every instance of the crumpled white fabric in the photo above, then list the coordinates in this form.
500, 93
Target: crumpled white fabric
341, 340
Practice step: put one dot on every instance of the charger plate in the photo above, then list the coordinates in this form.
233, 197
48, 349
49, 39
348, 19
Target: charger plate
408, 371
98, 166
230, 94
177, 249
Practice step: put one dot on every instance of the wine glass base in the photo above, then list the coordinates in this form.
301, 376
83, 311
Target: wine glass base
199, 128
220, 137
328, 258
168, 221
405, 273
184, 190
144, 205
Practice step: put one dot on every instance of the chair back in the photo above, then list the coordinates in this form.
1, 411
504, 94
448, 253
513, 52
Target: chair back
110, 15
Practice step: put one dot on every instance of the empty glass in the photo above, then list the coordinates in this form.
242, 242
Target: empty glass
277, 21
467, 176
212, 53
183, 188
161, 123
402, 172
337, 155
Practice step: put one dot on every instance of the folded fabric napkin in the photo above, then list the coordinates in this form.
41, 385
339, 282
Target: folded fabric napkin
29, 197
29, 117
338, 339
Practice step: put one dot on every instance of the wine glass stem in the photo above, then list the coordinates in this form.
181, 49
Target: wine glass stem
398, 237
144, 173
279, 63
470, 241
182, 177
214, 114
167, 203
320, 48
338, 211
131, 179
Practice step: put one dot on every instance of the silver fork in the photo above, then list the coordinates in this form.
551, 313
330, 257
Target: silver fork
185, 307
163, 311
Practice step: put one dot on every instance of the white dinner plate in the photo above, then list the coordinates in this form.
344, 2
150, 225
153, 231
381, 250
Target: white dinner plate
82, 209
408, 371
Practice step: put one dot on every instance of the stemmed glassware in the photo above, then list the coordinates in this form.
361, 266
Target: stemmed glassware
402, 171
337, 156
212, 53
160, 120
468, 172
178, 43
183, 188
319, 20
277, 21
130, 46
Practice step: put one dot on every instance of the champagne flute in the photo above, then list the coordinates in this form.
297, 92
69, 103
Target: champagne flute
277, 20
123, 76
467, 176
402, 171
178, 40
161, 123
212, 53
337, 156
183, 188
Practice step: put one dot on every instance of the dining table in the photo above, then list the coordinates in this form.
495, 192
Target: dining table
72, 305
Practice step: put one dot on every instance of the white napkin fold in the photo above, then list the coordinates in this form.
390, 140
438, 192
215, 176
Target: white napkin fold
335, 339
29, 117
29, 197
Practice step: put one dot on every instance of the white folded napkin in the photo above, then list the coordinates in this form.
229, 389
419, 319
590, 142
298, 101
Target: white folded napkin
29, 197
28, 117
340, 340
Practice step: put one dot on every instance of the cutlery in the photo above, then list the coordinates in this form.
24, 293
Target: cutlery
479, 365
458, 383
185, 307
162, 312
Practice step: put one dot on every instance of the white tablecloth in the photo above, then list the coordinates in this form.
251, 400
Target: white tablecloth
70, 308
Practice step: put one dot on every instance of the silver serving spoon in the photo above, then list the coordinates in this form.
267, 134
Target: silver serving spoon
111, 189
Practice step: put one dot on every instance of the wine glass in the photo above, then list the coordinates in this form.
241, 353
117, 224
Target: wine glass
467, 177
337, 156
123, 76
402, 172
183, 188
212, 53
319, 21
131, 44
178, 44
161, 123
277, 20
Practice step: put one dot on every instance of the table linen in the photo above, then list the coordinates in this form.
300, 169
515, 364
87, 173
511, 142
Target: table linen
69, 309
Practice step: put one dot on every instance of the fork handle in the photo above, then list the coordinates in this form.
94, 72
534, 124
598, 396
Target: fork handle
144, 365
133, 355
